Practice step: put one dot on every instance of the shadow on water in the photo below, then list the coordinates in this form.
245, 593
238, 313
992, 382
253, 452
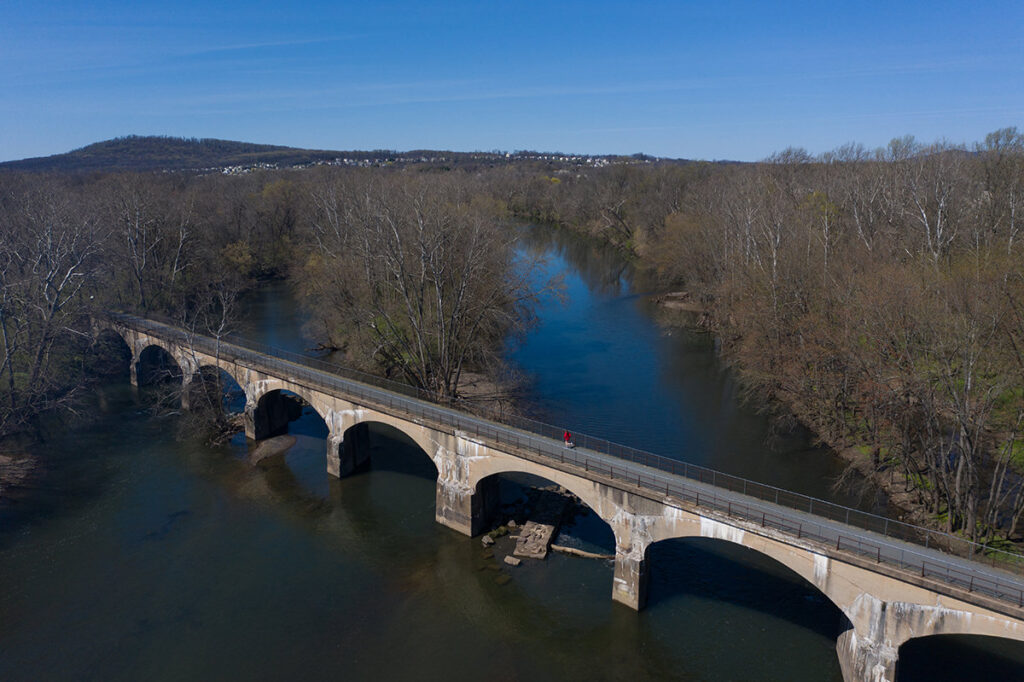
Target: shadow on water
960, 657
718, 570
391, 450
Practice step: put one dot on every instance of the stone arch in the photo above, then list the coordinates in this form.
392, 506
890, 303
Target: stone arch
231, 370
486, 486
108, 340
350, 416
475, 475
919, 621
160, 353
812, 567
110, 331
705, 567
101, 326
589, 492
256, 390
268, 415
221, 369
348, 440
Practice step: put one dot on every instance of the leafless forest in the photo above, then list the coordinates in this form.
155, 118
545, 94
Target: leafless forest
876, 296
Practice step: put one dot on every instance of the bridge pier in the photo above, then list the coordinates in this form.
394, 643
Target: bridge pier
863, 660
464, 510
869, 650
133, 368
348, 450
186, 387
629, 586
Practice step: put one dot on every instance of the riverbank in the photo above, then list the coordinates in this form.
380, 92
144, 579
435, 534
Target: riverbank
862, 476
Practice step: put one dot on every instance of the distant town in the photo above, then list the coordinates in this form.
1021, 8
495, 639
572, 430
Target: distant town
399, 159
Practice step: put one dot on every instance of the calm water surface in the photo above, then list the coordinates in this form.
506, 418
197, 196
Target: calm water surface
149, 555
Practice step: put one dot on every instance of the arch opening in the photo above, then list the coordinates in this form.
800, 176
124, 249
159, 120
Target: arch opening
215, 388
521, 497
574, 572
377, 446
393, 476
109, 355
720, 578
157, 366
214, 401
950, 658
292, 439
275, 410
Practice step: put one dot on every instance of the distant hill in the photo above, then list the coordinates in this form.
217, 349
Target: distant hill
157, 153
137, 153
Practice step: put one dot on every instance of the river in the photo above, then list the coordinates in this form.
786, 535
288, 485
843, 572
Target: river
146, 554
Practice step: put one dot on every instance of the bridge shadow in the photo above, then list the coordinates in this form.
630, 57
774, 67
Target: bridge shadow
215, 387
944, 658
682, 569
156, 366
391, 450
109, 356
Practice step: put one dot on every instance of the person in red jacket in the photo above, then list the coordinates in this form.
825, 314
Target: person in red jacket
568, 439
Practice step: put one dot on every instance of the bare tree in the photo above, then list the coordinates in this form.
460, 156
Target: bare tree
48, 256
416, 274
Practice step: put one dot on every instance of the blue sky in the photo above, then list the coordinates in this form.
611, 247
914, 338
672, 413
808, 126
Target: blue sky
710, 80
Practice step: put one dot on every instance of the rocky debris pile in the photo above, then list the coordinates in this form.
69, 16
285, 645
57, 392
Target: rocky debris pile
537, 519
542, 526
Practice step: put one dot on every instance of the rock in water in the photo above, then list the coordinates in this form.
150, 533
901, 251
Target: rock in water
540, 530
512, 561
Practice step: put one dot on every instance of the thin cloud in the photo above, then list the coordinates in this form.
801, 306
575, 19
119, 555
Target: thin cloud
217, 49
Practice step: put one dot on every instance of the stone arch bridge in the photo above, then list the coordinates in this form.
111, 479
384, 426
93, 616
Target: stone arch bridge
889, 590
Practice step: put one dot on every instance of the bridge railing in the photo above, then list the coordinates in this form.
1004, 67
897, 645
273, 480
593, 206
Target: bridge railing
804, 519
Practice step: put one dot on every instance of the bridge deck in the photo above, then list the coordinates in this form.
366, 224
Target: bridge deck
885, 542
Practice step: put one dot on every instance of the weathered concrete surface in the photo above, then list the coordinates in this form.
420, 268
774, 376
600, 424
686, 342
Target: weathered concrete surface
885, 606
867, 654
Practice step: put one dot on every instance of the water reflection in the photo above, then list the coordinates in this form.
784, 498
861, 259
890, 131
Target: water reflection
601, 365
